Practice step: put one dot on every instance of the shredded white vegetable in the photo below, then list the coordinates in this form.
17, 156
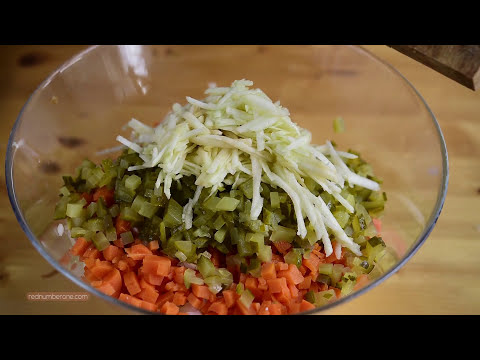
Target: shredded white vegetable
187, 215
236, 133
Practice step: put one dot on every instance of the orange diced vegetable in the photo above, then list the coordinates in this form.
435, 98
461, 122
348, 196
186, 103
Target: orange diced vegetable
169, 308
105, 193
268, 271
131, 282
81, 245
201, 291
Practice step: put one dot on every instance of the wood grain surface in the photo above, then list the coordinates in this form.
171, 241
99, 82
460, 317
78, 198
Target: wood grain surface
442, 278
460, 63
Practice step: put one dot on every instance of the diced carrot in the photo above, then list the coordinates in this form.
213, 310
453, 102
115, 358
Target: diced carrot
144, 284
333, 258
251, 284
163, 298
212, 297
235, 311
280, 289
111, 252
118, 243
362, 280
216, 257
319, 254
153, 245
105, 193
122, 265
201, 291
230, 297
132, 300
132, 263
262, 284
131, 282
315, 287
194, 301
89, 262
138, 252
157, 265
96, 283
170, 274
305, 306
179, 299
265, 308
204, 308
293, 291
303, 270
149, 294
91, 252
150, 266
267, 296
104, 287
277, 258
282, 246
114, 278
293, 307
88, 198
293, 275
81, 245
279, 266
338, 293
219, 308
268, 271
171, 285
312, 263
148, 306
275, 309
122, 226
305, 284
169, 308
285, 295
153, 279
101, 268
243, 277
244, 310
89, 276
178, 274
276, 285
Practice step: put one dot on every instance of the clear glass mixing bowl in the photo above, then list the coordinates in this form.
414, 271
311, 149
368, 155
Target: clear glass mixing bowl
82, 106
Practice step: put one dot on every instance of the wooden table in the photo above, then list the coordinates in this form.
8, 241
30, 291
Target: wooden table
445, 271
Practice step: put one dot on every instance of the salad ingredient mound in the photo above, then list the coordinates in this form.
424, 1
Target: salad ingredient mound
226, 207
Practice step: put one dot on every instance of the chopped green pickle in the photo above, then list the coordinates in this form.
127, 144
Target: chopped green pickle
100, 241
339, 125
173, 214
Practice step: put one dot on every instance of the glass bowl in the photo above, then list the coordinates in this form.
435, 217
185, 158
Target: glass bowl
80, 109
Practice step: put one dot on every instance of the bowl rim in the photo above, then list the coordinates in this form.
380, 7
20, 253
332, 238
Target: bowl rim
430, 224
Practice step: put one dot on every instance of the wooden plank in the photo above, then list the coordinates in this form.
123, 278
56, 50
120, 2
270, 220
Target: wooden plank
458, 62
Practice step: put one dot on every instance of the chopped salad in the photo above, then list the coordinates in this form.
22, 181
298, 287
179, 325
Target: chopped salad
226, 208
